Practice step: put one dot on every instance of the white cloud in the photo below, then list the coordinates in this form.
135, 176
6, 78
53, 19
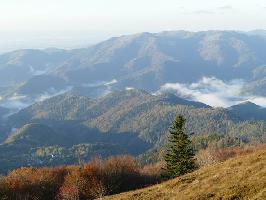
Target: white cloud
130, 88
100, 83
114, 81
213, 92
51, 93
17, 102
37, 72
259, 100
17, 97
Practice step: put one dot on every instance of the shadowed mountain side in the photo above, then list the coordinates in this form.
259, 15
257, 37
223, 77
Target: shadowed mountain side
65, 143
248, 111
3, 112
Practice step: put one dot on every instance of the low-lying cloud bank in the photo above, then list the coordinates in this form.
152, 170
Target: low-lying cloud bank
208, 90
17, 102
214, 92
100, 83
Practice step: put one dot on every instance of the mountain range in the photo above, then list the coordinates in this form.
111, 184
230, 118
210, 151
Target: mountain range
55, 131
121, 95
145, 61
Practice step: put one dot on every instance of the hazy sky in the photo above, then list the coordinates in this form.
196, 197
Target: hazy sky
93, 20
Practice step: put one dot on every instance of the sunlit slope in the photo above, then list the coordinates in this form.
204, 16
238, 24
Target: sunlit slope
239, 178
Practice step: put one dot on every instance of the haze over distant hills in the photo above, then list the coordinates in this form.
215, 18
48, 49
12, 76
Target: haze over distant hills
146, 61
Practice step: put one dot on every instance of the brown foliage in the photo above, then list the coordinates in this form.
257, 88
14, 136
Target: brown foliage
101, 177
92, 180
153, 170
211, 155
81, 183
31, 183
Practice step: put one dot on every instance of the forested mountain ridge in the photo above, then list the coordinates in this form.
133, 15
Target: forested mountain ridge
136, 111
69, 106
128, 121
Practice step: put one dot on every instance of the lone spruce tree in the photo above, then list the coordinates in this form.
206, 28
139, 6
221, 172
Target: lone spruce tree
180, 153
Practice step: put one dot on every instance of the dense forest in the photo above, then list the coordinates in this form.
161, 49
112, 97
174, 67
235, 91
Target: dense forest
68, 128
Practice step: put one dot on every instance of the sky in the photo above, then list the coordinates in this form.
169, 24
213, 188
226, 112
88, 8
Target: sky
72, 23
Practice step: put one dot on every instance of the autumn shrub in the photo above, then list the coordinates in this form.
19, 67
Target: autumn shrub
214, 155
82, 183
119, 173
122, 174
89, 181
32, 183
101, 177
70, 187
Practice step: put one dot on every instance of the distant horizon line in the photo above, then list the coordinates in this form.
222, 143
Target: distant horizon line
69, 42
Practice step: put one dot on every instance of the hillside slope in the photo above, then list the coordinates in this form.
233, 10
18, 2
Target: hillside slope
239, 178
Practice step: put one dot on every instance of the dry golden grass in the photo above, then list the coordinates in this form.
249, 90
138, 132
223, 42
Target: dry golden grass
243, 177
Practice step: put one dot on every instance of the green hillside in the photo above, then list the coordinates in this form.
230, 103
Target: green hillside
136, 111
123, 122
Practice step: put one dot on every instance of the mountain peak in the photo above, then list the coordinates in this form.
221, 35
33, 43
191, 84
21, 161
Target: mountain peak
172, 98
130, 92
246, 104
248, 111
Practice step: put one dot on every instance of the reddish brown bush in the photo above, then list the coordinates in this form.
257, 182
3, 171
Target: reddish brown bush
92, 180
32, 183
101, 177
153, 170
82, 183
